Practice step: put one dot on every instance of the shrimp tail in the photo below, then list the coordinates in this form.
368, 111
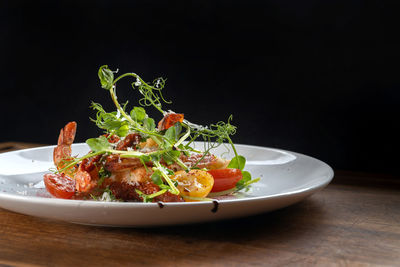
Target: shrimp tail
67, 134
62, 152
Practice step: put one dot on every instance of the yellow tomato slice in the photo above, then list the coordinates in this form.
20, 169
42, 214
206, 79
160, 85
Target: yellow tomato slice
195, 183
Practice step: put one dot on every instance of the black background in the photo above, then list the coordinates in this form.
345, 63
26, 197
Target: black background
315, 77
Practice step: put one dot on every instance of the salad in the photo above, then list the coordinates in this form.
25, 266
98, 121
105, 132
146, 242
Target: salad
136, 159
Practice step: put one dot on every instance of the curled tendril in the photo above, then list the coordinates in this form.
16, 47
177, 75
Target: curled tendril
159, 82
152, 94
214, 135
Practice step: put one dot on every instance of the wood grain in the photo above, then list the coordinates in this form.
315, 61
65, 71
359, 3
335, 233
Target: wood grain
341, 225
10, 146
355, 221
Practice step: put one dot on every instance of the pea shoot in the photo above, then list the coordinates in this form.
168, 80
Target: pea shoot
172, 142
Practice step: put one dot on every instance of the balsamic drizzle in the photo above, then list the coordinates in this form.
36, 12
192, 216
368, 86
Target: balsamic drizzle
216, 203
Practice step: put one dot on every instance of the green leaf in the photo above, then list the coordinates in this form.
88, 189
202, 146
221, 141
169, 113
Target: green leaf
98, 144
242, 183
155, 157
145, 158
157, 178
170, 134
106, 77
171, 156
110, 123
246, 181
237, 163
246, 176
178, 128
123, 130
149, 124
138, 114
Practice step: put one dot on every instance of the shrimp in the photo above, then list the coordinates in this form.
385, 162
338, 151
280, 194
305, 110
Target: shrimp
128, 192
128, 142
127, 175
62, 157
125, 180
114, 163
83, 180
62, 152
126, 183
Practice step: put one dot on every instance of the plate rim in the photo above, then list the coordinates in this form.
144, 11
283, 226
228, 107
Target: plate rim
92, 203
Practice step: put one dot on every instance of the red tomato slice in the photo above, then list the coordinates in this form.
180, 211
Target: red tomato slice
59, 185
225, 179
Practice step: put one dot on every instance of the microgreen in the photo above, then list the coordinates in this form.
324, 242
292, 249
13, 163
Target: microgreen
149, 124
138, 114
149, 198
157, 178
237, 163
106, 77
103, 174
98, 144
172, 142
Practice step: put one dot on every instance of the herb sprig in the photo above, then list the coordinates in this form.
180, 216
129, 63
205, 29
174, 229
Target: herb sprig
171, 142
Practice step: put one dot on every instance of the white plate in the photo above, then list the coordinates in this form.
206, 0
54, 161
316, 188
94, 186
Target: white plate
286, 178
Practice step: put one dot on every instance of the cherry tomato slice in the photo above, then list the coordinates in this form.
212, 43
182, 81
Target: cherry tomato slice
195, 183
59, 185
225, 179
169, 120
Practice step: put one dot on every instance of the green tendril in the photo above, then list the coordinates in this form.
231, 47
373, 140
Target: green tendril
171, 142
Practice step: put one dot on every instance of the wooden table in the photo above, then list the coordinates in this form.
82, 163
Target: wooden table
354, 221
